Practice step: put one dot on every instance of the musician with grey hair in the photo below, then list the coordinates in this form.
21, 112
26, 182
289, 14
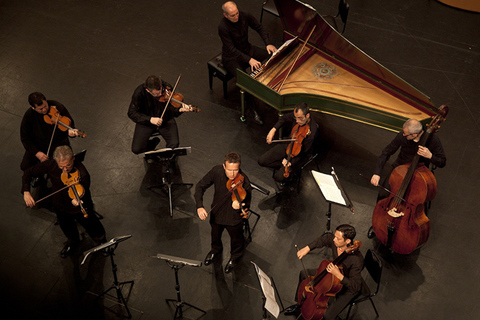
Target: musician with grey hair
62, 170
407, 141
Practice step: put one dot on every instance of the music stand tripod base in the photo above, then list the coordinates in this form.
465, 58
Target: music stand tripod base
166, 156
176, 264
110, 247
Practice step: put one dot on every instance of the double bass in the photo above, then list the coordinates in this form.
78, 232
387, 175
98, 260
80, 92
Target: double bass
315, 291
399, 221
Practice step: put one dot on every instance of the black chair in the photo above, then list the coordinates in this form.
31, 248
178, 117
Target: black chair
216, 69
343, 8
374, 267
269, 6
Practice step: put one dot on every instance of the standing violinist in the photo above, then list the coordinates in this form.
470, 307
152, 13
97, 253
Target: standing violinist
67, 208
276, 157
146, 108
408, 141
225, 212
36, 133
348, 271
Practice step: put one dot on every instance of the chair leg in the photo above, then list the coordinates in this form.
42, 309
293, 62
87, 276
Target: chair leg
374, 308
348, 312
225, 84
261, 16
210, 78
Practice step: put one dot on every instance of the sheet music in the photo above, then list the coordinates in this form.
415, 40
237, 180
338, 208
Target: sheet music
328, 187
286, 44
270, 302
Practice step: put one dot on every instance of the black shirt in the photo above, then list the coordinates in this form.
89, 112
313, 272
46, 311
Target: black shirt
408, 150
61, 200
222, 213
144, 106
352, 265
36, 133
234, 37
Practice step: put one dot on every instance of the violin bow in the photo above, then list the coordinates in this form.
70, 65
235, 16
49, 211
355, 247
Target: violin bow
51, 194
303, 265
393, 194
53, 132
171, 95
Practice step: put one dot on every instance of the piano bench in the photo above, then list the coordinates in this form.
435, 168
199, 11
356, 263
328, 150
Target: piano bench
216, 69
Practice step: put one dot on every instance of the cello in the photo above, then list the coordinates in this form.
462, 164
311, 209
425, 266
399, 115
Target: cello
399, 221
315, 291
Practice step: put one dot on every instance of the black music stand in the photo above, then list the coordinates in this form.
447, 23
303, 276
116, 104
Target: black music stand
176, 264
332, 191
246, 222
269, 292
109, 247
166, 156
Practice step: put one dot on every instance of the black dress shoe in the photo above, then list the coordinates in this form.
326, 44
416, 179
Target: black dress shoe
292, 310
256, 118
230, 265
209, 258
67, 250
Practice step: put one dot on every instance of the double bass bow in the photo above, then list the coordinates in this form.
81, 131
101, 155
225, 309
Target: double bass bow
315, 291
399, 221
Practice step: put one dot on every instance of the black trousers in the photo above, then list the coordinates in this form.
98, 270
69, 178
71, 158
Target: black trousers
336, 304
142, 134
273, 159
237, 240
93, 226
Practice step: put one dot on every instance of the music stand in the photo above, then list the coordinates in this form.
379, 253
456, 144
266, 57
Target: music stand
332, 191
109, 248
166, 156
269, 292
176, 264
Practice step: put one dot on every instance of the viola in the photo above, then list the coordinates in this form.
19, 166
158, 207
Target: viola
176, 100
399, 221
54, 117
239, 193
315, 291
298, 134
75, 191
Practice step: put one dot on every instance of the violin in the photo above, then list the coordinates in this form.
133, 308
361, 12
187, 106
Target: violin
54, 117
239, 193
176, 100
75, 191
315, 291
399, 221
298, 134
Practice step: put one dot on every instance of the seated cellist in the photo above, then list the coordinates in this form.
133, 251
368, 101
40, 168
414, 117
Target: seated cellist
349, 275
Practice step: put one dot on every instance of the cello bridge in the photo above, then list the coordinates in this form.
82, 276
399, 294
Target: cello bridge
393, 213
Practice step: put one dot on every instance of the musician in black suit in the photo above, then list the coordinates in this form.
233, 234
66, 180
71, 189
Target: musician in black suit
225, 213
237, 51
350, 275
276, 157
407, 141
36, 133
146, 110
